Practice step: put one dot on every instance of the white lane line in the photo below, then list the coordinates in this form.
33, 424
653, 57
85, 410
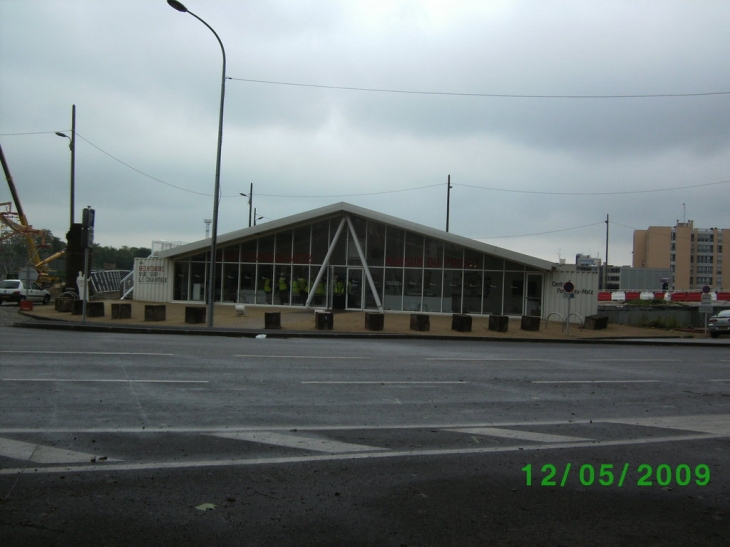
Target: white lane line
348, 357
518, 434
154, 466
720, 380
487, 359
384, 382
105, 381
716, 424
33, 352
296, 441
637, 360
595, 381
19, 450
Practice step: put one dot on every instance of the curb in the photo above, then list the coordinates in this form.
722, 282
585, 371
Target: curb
59, 324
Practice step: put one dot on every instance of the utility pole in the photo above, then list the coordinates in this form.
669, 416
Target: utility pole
605, 267
448, 201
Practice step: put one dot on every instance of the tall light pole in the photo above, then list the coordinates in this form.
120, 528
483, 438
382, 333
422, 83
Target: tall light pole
250, 200
72, 146
216, 193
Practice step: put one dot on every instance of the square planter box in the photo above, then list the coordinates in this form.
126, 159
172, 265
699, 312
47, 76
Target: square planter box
498, 323
195, 314
461, 322
64, 304
155, 312
596, 322
374, 321
324, 320
530, 322
94, 309
121, 311
272, 320
420, 322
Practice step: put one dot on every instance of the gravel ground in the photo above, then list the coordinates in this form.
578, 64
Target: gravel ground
9, 315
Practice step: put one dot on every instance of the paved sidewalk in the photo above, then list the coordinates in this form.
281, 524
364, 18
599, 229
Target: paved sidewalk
301, 322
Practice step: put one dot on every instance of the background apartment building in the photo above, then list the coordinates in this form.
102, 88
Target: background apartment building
694, 256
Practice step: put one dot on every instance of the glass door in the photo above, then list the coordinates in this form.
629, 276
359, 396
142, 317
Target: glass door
354, 288
533, 300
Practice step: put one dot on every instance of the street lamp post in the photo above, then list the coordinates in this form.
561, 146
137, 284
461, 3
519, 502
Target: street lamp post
72, 146
250, 201
216, 192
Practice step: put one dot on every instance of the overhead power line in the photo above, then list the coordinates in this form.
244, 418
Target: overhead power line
486, 95
545, 233
573, 193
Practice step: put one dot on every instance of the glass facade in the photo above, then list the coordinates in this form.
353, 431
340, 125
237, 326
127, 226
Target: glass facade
409, 272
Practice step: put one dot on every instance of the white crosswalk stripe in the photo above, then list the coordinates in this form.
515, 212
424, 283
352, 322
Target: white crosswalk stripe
298, 441
518, 434
20, 450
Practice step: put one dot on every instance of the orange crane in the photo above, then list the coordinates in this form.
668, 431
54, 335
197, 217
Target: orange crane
21, 226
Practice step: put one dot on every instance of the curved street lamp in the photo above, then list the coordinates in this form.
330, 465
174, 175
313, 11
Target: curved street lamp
72, 147
216, 193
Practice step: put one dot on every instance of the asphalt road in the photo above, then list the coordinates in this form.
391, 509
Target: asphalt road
117, 439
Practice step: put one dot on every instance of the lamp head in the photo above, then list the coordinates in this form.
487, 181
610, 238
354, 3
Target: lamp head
62, 135
177, 5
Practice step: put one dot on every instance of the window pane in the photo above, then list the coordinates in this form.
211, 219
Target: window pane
514, 293
266, 249
248, 251
320, 242
247, 288
434, 253
493, 263
452, 291
283, 247
432, 290
412, 287
454, 257
414, 250
492, 293
472, 292
377, 274
375, 252
394, 246
301, 245
473, 260
338, 255
393, 289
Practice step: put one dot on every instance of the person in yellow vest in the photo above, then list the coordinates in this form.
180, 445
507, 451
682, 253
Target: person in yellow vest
267, 290
303, 289
283, 290
295, 292
338, 290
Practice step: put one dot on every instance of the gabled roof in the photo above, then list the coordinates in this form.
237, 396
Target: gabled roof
346, 208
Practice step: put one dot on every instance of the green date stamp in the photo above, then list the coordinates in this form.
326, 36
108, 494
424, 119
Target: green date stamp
607, 474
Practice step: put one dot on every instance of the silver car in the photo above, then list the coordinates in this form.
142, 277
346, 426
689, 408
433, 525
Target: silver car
719, 324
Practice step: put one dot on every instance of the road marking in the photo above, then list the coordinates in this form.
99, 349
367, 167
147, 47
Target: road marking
105, 381
348, 357
385, 382
350, 457
637, 360
720, 380
716, 424
496, 359
86, 353
19, 450
297, 441
595, 381
518, 434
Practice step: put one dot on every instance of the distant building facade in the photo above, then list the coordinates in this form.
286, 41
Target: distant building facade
694, 256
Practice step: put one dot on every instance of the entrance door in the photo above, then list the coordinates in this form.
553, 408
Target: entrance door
533, 295
354, 288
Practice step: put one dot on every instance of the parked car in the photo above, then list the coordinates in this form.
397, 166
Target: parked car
13, 290
719, 324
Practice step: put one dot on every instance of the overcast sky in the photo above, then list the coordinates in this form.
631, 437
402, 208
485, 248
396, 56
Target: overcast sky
530, 106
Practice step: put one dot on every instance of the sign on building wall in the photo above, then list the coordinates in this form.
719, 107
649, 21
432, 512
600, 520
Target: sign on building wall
153, 279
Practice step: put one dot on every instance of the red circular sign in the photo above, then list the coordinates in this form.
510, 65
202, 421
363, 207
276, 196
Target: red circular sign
569, 287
